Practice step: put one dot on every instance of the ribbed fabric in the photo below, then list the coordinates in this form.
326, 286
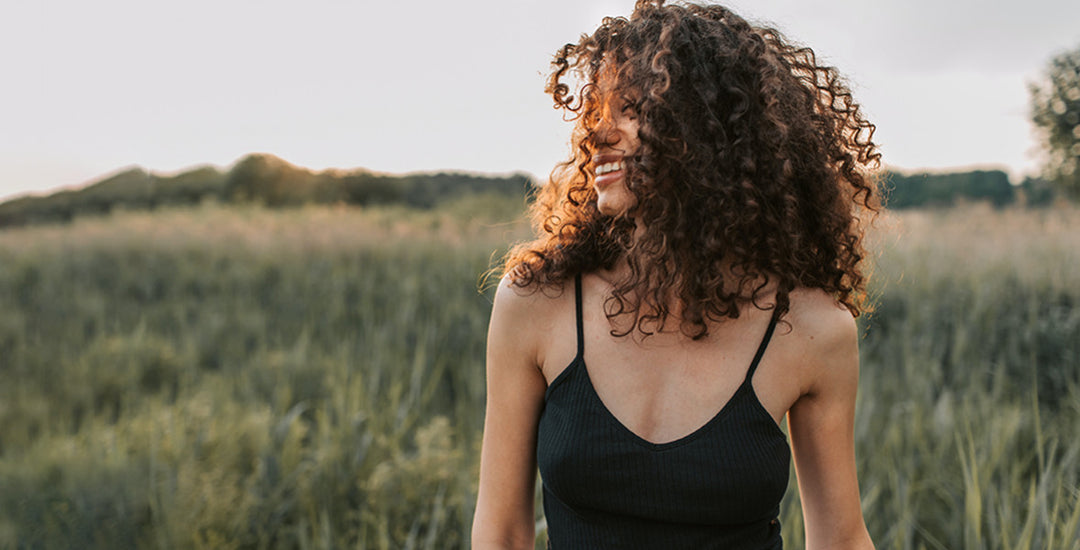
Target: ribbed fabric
607, 488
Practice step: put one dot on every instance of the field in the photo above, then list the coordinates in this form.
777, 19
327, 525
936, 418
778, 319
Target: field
313, 378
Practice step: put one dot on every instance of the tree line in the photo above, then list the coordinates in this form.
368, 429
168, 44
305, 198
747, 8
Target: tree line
259, 179
270, 181
935, 190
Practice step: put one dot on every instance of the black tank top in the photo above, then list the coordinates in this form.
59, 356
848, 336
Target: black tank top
607, 488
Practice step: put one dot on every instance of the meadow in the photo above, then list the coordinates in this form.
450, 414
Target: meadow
238, 377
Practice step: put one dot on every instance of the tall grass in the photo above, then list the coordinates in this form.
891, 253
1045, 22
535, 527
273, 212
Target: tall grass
313, 378
969, 403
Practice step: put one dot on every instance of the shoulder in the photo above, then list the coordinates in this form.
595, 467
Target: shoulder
824, 335
523, 315
819, 317
529, 303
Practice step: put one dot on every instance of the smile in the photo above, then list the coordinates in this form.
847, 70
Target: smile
609, 167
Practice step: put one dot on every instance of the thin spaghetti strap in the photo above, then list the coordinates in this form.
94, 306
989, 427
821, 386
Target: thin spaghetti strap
580, 322
764, 344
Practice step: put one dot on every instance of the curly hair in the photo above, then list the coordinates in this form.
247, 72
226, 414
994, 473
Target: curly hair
755, 166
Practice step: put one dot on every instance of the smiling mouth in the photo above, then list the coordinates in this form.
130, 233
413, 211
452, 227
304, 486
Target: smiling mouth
609, 167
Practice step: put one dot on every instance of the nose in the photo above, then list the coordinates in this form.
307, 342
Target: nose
605, 133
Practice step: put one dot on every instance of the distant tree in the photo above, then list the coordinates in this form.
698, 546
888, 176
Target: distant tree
190, 187
1037, 192
269, 180
1055, 110
947, 189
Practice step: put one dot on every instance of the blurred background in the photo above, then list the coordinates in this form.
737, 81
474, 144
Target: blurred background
243, 249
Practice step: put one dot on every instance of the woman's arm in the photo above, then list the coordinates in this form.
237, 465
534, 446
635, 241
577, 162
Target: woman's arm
515, 397
821, 424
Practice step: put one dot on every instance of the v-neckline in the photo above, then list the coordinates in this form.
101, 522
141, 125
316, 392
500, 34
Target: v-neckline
677, 442
746, 385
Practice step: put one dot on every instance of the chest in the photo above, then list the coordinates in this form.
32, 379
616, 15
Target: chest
663, 391
732, 469
665, 386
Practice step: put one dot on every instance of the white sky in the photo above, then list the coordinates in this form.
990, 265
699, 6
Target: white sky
91, 87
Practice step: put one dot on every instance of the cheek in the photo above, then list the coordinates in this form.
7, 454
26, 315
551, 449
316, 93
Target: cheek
632, 134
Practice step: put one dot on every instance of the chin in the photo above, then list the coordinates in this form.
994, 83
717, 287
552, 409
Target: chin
613, 208
615, 199
609, 207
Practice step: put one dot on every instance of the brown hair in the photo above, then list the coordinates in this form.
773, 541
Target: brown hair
755, 165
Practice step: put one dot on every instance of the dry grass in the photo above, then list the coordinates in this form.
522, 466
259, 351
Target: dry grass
313, 378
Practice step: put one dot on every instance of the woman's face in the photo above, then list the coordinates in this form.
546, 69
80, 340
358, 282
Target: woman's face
616, 137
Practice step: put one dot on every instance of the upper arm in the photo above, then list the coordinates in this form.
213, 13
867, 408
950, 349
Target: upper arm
821, 424
515, 394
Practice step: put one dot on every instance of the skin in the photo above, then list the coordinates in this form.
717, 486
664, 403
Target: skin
617, 136
667, 386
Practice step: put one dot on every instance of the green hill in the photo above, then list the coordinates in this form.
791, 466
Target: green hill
260, 179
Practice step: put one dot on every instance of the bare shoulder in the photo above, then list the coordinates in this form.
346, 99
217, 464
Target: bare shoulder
820, 317
825, 336
514, 297
526, 305
526, 314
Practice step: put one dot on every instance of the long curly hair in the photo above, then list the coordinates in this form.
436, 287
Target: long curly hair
755, 166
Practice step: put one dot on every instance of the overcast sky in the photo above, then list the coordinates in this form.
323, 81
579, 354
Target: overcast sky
91, 87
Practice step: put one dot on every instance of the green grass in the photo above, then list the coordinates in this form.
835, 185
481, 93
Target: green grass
313, 378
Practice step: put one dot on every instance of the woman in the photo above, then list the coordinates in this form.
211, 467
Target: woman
696, 278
